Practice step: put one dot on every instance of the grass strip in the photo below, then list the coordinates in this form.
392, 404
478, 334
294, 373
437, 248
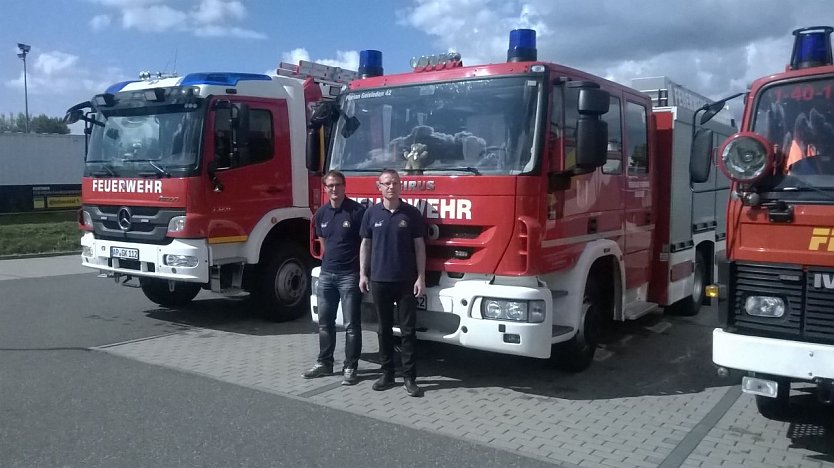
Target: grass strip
39, 238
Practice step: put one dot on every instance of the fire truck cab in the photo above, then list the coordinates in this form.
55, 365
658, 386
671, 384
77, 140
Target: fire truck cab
199, 182
775, 286
548, 194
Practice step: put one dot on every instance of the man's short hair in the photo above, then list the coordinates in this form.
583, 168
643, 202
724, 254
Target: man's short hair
333, 174
391, 172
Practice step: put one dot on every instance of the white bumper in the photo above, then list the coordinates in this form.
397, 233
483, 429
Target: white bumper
784, 358
150, 262
453, 316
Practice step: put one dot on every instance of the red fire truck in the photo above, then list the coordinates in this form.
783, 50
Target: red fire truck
556, 200
198, 182
776, 285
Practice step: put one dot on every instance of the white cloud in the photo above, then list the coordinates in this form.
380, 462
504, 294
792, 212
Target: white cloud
100, 22
57, 73
345, 59
715, 47
208, 18
215, 11
154, 18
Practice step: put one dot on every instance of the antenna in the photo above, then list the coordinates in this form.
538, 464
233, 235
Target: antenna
174, 71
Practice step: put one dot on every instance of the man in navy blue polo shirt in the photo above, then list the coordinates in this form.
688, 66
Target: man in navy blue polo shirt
337, 226
393, 266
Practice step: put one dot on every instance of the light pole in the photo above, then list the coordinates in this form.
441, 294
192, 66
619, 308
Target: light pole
24, 49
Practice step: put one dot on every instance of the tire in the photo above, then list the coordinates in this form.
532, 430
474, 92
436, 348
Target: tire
169, 293
779, 408
691, 305
283, 285
577, 354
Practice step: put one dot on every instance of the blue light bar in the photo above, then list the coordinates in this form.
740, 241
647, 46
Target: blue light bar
811, 47
221, 79
115, 88
370, 63
522, 46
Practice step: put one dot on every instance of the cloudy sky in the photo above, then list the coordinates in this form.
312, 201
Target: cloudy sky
79, 47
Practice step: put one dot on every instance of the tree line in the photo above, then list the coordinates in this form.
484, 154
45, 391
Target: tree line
40, 124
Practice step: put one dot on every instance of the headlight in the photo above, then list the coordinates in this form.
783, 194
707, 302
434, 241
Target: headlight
186, 261
764, 306
746, 157
315, 285
177, 224
86, 218
516, 311
86, 251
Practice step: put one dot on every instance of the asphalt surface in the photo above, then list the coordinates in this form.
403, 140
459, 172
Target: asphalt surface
63, 405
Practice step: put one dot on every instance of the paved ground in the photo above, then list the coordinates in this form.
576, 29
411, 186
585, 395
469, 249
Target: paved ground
651, 399
599, 418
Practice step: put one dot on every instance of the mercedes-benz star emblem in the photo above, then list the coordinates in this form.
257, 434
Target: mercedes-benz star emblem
124, 218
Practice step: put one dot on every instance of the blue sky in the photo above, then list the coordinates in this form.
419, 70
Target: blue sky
79, 47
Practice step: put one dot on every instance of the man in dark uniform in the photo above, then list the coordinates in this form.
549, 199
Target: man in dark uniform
393, 266
337, 226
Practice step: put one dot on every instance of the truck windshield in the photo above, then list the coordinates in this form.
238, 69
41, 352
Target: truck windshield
799, 117
145, 140
472, 127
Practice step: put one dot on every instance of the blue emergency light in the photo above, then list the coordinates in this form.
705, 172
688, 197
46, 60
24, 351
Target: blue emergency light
221, 79
811, 47
370, 63
522, 46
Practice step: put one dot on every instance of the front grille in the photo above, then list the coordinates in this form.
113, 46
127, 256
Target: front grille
809, 315
149, 225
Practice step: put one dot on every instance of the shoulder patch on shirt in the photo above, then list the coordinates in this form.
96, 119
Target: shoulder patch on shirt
403, 223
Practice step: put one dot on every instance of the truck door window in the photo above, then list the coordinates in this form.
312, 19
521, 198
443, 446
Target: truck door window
571, 117
614, 164
261, 140
637, 134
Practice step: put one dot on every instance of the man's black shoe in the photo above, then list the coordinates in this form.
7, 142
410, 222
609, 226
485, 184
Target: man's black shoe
385, 382
411, 387
350, 377
319, 370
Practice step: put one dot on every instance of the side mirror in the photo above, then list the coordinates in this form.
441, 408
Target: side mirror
593, 101
314, 147
700, 156
73, 116
591, 143
239, 123
324, 113
351, 125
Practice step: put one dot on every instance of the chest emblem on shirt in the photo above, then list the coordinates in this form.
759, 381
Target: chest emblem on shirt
345, 224
323, 225
378, 224
403, 223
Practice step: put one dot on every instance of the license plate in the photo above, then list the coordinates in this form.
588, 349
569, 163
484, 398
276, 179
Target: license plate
422, 302
121, 252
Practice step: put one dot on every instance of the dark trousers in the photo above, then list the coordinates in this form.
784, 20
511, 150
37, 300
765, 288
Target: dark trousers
385, 296
334, 288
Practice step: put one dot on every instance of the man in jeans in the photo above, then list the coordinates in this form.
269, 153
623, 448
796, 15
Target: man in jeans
337, 226
393, 267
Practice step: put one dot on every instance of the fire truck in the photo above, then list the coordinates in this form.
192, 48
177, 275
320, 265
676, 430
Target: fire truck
556, 201
199, 182
775, 286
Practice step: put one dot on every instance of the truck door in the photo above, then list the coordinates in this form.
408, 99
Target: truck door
254, 181
637, 196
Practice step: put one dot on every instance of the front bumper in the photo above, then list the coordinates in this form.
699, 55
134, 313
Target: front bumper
96, 253
794, 359
452, 315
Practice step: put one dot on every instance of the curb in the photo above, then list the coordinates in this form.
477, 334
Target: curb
39, 255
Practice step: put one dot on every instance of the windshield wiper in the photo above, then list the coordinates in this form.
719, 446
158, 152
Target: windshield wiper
151, 162
108, 169
453, 169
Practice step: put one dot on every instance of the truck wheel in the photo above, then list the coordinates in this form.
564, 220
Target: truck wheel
283, 291
690, 306
779, 408
167, 293
578, 353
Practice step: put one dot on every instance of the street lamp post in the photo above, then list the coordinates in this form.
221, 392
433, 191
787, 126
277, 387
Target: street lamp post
24, 50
